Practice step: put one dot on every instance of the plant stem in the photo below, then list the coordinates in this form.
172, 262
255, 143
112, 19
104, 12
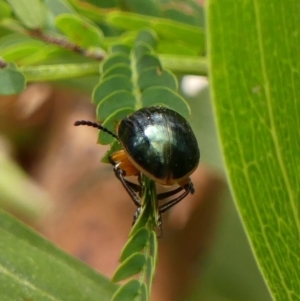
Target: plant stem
59, 71
180, 64
184, 64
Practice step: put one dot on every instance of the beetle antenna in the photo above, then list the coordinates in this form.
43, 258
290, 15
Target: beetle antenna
96, 125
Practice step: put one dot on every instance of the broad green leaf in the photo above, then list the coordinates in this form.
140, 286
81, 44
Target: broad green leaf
157, 77
109, 85
12, 81
79, 31
128, 291
111, 123
114, 102
32, 268
129, 267
135, 244
32, 13
157, 95
254, 73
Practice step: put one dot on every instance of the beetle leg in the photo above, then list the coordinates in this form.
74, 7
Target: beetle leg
136, 215
128, 187
159, 224
167, 194
188, 189
187, 184
133, 186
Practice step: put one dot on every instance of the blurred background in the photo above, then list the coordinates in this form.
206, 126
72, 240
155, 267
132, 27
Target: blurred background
52, 179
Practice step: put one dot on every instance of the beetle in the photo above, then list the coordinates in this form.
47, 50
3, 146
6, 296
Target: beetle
159, 143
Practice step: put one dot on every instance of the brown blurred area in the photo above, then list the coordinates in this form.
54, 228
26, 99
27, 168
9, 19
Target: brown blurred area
92, 214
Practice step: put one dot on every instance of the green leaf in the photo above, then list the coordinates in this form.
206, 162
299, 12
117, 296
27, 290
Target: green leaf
109, 85
178, 15
32, 268
157, 77
114, 102
118, 69
141, 221
91, 11
152, 259
161, 95
141, 240
168, 29
153, 246
32, 13
150, 268
115, 59
135, 244
254, 72
144, 292
149, 209
12, 81
148, 37
111, 123
128, 291
119, 48
129, 267
79, 31
20, 49
141, 49
58, 7
148, 61
151, 8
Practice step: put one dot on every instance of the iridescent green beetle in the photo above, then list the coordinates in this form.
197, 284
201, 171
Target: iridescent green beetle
159, 143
